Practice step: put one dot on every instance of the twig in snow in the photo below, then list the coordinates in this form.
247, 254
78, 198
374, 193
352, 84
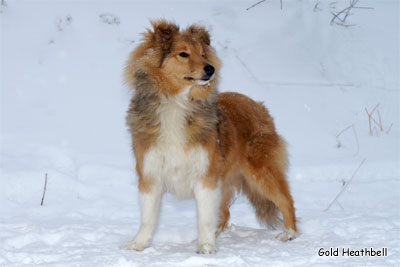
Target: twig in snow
256, 4
316, 7
281, 4
335, 16
44, 190
378, 123
390, 127
345, 186
345, 13
363, 7
340, 205
369, 122
355, 136
345, 25
371, 119
345, 129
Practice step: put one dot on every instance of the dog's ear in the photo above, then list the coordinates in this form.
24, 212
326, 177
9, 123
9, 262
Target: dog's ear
199, 32
164, 33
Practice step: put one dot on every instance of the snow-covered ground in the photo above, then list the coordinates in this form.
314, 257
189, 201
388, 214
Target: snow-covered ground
62, 112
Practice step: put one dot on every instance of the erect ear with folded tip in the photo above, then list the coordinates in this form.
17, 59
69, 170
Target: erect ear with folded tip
164, 33
200, 33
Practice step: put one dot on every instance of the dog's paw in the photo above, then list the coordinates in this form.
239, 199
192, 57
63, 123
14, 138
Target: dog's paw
287, 235
133, 245
206, 249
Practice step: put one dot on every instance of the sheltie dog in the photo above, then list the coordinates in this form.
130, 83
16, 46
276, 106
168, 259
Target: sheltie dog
192, 141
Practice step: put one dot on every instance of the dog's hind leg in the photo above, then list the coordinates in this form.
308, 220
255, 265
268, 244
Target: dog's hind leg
227, 195
267, 188
232, 185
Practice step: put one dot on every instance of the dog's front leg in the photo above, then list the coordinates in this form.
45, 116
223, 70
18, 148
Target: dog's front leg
208, 204
150, 203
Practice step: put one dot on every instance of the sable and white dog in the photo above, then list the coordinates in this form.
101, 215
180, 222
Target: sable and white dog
194, 142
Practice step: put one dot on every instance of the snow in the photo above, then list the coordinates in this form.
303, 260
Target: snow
63, 107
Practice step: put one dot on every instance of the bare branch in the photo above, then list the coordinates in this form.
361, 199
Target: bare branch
390, 127
373, 110
340, 205
355, 135
316, 7
369, 121
44, 190
363, 7
345, 25
345, 13
259, 2
345, 186
336, 16
380, 121
345, 129
377, 123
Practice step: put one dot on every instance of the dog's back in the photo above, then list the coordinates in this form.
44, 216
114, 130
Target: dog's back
255, 160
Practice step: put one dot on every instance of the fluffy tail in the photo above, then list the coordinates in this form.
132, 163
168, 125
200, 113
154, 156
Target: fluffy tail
266, 211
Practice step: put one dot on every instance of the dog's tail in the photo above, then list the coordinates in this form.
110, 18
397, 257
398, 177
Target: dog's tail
266, 211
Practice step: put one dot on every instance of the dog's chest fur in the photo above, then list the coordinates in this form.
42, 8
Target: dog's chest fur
169, 161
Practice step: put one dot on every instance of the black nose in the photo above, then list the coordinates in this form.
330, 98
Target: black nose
209, 70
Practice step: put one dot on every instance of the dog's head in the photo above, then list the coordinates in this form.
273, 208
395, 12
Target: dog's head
177, 60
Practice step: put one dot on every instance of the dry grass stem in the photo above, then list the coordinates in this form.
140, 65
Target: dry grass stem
256, 4
44, 190
345, 186
339, 18
373, 123
354, 133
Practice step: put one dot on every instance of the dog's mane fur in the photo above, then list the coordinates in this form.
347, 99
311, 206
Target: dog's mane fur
143, 120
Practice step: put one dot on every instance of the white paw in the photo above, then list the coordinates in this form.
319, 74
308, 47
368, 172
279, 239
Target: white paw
206, 249
287, 235
133, 245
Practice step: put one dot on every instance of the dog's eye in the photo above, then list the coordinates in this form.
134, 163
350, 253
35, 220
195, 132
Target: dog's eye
183, 54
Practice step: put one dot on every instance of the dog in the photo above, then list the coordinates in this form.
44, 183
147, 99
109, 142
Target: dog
194, 142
